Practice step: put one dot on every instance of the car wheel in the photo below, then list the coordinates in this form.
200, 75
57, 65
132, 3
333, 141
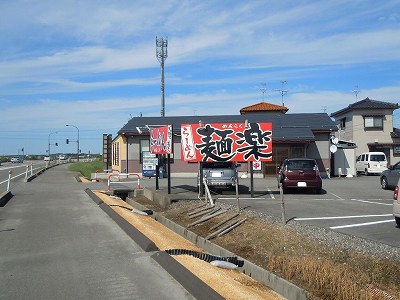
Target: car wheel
397, 219
366, 172
384, 183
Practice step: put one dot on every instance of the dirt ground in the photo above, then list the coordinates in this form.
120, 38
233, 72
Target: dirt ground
326, 272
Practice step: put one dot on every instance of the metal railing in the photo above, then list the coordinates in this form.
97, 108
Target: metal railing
119, 175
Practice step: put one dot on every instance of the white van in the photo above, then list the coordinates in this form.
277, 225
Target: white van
371, 163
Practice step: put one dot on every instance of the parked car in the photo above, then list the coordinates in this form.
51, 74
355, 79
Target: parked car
396, 204
371, 163
299, 173
219, 174
390, 177
16, 160
47, 158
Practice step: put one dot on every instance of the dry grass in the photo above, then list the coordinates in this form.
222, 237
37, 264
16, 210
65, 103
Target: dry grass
326, 272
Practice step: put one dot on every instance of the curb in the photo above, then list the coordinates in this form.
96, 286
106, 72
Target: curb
30, 178
5, 197
276, 283
196, 287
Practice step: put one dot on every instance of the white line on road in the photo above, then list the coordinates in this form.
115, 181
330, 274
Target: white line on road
271, 194
371, 202
361, 224
341, 217
234, 198
336, 196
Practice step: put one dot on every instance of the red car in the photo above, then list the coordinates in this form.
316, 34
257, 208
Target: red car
299, 173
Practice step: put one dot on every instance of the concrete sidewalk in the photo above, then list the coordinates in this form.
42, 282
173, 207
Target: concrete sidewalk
55, 243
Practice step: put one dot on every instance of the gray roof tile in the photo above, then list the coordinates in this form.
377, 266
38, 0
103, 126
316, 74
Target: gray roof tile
285, 127
366, 104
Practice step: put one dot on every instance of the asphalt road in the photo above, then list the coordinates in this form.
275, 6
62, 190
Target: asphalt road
56, 243
357, 206
18, 172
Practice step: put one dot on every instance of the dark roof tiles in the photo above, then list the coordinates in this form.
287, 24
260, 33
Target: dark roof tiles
286, 127
366, 104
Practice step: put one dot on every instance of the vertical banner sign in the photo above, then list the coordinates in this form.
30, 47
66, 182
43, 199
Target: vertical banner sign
227, 142
107, 149
161, 140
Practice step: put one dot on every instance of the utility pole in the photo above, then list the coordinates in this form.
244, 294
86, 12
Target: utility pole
162, 54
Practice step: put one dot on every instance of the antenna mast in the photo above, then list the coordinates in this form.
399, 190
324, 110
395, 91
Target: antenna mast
356, 92
162, 54
263, 89
282, 91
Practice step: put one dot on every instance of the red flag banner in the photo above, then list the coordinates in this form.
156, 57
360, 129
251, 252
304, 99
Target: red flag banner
226, 142
161, 140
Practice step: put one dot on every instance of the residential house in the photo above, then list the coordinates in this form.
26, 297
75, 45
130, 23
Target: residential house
369, 125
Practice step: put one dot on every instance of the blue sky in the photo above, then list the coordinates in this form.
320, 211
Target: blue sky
93, 63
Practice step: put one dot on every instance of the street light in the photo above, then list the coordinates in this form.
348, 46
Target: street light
55, 132
77, 152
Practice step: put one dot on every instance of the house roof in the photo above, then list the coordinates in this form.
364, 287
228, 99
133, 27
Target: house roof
368, 104
263, 107
285, 127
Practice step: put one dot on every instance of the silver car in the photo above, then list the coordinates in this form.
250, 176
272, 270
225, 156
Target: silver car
16, 160
396, 204
390, 177
219, 174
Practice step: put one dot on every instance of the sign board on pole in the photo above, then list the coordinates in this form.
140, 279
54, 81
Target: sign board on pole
226, 142
149, 164
257, 166
161, 140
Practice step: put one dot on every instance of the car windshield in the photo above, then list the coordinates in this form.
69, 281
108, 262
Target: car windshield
300, 165
377, 157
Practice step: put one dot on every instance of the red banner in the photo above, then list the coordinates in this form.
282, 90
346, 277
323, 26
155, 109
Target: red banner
161, 140
226, 142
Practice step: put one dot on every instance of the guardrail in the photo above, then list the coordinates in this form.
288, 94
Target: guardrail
119, 175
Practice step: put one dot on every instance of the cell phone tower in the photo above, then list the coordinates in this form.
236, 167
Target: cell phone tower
162, 54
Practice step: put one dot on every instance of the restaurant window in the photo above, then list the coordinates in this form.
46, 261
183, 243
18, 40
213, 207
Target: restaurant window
144, 146
115, 153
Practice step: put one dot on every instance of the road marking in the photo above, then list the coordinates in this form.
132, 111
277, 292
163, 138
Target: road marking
271, 194
341, 217
361, 224
230, 198
336, 196
371, 202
